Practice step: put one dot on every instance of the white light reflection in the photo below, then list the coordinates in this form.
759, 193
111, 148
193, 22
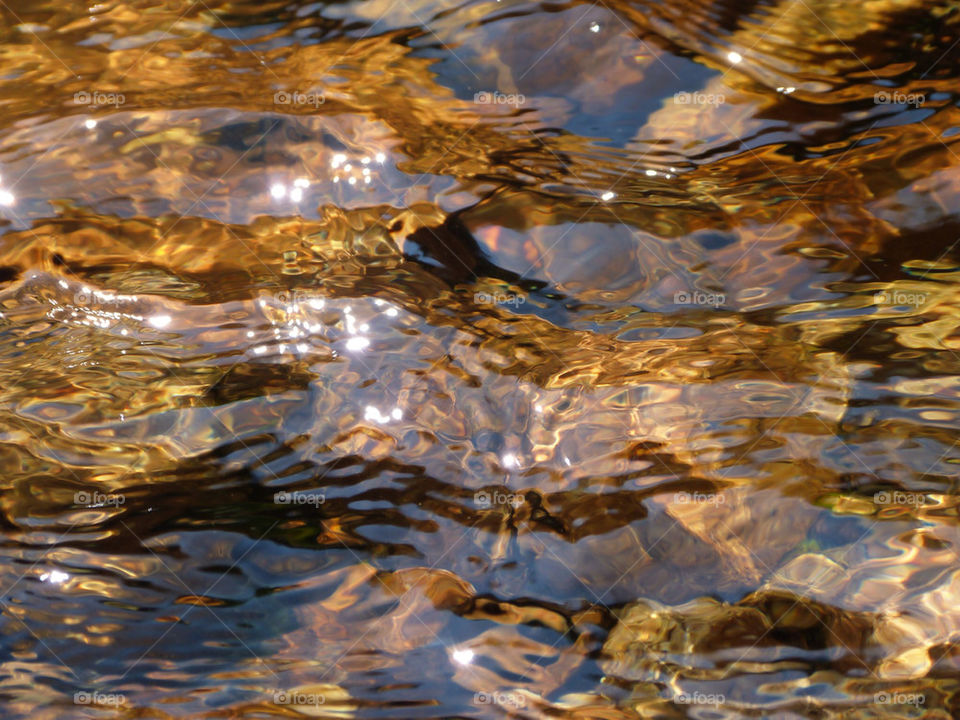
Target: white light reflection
373, 414
463, 657
295, 319
357, 344
55, 576
355, 171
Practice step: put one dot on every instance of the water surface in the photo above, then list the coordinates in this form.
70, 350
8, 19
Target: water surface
415, 359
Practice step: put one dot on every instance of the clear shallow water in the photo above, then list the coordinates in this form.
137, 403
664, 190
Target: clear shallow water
423, 360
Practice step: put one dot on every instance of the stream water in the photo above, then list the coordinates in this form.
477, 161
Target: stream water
425, 359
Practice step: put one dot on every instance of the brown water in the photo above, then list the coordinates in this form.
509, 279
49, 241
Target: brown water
414, 359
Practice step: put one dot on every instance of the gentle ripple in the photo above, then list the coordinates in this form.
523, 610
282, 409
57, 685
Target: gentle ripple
385, 359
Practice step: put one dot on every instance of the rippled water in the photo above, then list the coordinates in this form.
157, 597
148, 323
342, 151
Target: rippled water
412, 359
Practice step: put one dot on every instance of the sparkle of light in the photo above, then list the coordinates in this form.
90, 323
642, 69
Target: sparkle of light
357, 343
55, 576
463, 657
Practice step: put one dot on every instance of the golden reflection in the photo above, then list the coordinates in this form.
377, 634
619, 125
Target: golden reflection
591, 361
